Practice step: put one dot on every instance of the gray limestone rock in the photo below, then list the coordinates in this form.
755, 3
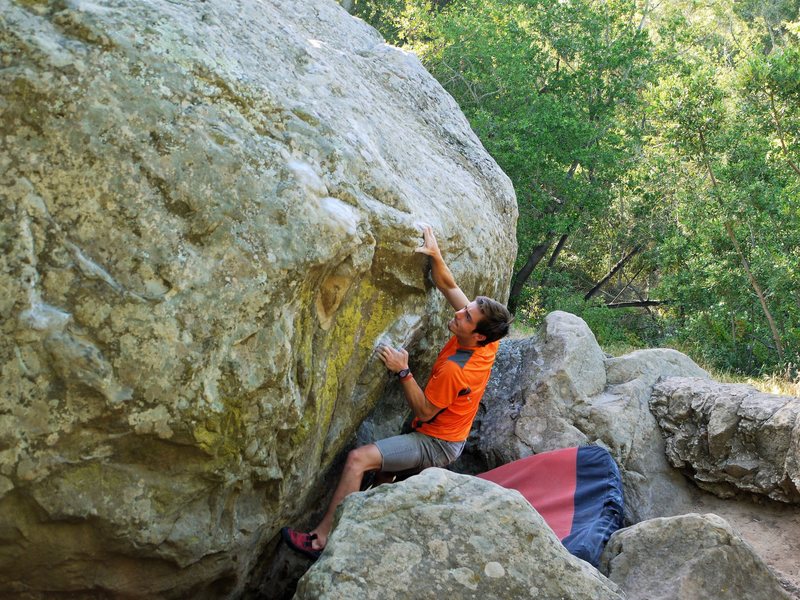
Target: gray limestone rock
653, 487
444, 535
536, 386
522, 415
691, 556
209, 218
731, 438
557, 389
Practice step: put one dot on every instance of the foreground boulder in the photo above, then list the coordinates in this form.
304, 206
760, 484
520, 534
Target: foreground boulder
209, 220
731, 438
444, 535
691, 556
557, 389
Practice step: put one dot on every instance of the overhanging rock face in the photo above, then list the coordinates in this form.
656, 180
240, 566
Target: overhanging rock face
209, 219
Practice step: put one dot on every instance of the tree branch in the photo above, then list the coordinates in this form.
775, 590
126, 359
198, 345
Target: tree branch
612, 272
637, 304
745, 263
795, 168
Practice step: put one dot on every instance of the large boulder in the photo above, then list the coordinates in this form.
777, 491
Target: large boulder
557, 389
444, 535
731, 438
691, 556
209, 219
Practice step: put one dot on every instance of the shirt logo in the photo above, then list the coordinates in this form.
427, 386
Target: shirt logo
461, 357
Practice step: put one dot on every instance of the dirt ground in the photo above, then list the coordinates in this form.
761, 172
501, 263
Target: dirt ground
771, 528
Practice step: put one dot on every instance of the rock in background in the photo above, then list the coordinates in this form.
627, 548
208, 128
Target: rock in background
557, 389
731, 438
444, 535
208, 221
692, 556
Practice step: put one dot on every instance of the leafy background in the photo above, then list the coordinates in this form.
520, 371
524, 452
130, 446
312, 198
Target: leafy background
655, 142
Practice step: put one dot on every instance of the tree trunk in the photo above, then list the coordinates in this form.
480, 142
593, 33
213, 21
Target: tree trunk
554, 257
557, 250
647, 308
777, 119
757, 288
612, 272
524, 273
745, 263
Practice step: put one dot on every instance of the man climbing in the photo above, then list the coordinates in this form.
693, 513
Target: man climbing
443, 413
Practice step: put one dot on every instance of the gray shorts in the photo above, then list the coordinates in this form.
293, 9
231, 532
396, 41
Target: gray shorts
416, 451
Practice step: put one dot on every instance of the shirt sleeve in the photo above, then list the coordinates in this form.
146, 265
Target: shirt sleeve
444, 385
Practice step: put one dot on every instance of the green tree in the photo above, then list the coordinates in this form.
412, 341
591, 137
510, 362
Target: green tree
655, 152
543, 85
712, 108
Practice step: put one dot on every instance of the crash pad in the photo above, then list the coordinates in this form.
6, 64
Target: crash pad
578, 492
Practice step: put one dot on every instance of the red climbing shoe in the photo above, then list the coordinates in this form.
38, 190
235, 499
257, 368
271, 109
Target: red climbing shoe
300, 542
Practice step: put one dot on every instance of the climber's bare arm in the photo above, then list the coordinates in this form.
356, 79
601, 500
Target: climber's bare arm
396, 360
442, 277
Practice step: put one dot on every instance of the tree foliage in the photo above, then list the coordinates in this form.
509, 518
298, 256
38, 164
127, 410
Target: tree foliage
655, 152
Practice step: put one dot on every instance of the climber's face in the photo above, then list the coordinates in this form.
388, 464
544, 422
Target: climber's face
463, 324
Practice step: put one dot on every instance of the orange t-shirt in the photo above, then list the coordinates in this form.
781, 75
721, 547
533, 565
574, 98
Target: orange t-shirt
457, 384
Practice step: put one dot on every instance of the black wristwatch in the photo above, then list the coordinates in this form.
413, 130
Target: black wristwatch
404, 373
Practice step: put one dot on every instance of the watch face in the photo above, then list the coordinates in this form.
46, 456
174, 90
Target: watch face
403, 373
